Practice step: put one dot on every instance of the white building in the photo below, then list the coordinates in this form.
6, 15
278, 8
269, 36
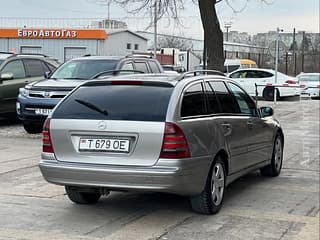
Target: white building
65, 44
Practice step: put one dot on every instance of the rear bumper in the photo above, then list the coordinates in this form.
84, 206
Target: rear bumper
312, 92
182, 176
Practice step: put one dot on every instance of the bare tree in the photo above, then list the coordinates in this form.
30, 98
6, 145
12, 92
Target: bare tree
174, 42
213, 35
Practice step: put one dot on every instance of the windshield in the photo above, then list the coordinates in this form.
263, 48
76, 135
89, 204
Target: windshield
83, 69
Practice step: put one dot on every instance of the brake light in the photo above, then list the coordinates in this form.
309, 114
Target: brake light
174, 144
46, 138
302, 85
124, 82
318, 86
291, 82
269, 84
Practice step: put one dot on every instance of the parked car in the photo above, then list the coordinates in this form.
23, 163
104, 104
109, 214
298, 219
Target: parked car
310, 84
36, 100
173, 69
16, 70
187, 135
286, 86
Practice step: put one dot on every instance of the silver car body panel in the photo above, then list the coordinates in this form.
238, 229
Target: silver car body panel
141, 168
145, 141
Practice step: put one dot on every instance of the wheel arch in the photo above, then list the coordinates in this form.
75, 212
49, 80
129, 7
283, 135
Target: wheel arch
225, 158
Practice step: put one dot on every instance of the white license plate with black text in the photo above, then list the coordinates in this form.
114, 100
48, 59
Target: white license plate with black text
104, 144
42, 111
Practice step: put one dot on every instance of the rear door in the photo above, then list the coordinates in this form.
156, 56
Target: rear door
126, 130
234, 126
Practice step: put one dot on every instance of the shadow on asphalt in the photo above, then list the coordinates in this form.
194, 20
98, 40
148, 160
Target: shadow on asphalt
9, 120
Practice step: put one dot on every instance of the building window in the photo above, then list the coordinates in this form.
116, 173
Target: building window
136, 47
128, 45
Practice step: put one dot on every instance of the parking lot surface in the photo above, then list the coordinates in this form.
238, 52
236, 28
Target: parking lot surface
255, 207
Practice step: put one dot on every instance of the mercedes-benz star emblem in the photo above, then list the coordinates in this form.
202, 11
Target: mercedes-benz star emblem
102, 125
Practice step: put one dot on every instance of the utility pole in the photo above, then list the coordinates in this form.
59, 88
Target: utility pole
155, 22
294, 52
302, 51
227, 25
276, 64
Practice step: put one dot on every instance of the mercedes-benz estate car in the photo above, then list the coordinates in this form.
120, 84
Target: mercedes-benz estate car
186, 135
36, 100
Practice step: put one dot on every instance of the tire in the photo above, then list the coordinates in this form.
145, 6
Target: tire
79, 197
32, 128
274, 168
268, 94
210, 200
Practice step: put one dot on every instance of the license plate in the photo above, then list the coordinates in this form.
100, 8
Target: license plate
42, 111
104, 144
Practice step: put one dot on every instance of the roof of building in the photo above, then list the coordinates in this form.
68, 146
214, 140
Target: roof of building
113, 32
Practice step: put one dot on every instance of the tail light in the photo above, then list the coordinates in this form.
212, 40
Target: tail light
318, 86
46, 138
174, 143
291, 82
269, 84
302, 85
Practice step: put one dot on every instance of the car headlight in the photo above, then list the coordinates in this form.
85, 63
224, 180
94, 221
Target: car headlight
24, 92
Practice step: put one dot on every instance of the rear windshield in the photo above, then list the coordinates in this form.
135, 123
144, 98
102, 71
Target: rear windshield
83, 69
309, 78
116, 102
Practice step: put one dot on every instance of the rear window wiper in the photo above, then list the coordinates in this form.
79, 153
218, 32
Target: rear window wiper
92, 106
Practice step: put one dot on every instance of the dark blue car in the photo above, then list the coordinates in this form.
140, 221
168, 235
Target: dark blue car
37, 100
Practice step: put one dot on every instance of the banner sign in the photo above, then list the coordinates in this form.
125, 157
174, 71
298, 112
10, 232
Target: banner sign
53, 33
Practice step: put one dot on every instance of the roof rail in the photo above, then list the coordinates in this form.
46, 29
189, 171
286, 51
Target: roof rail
28, 54
140, 54
6, 52
198, 72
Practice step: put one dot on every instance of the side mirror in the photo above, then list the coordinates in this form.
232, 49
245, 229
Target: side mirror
47, 74
266, 111
6, 76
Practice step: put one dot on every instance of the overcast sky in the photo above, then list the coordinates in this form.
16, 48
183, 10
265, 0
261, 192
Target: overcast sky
256, 17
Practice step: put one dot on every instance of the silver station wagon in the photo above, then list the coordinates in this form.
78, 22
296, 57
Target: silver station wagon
190, 134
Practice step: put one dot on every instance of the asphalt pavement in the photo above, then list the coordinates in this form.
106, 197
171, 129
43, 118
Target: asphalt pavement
255, 207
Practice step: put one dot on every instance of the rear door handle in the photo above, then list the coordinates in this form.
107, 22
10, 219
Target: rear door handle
227, 128
250, 124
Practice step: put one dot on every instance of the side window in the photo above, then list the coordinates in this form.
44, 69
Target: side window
45, 67
193, 101
213, 104
127, 66
154, 67
34, 67
239, 74
245, 103
141, 66
225, 99
16, 67
265, 74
